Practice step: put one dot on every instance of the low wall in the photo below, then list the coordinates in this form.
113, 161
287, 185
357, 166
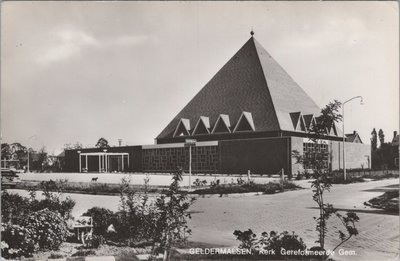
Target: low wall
357, 155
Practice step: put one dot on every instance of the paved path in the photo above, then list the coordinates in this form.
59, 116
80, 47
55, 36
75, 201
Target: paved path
216, 218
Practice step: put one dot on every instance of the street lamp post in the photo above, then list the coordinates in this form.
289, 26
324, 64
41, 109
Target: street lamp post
190, 143
105, 160
344, 157
80, 163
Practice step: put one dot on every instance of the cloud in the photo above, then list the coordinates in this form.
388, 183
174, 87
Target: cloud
64, 44
133, 39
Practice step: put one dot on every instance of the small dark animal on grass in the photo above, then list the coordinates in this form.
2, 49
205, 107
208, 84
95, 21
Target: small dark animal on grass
95, 179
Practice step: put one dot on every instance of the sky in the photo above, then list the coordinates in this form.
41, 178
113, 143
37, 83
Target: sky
77, 71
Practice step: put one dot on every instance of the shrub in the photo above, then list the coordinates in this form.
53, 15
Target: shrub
199, 183
379, 176
33, 223
102, 218
56, 204
338, 178
137, 215
284, 240
53, 201
387, 201
247, 238
48, 229
171, 217
97, 240
14, 208
84, 253
215, 183
269, 188
56, 256
240, 181
16, 241
271, 241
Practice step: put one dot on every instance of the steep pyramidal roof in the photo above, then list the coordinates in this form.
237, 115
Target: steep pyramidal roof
251, 81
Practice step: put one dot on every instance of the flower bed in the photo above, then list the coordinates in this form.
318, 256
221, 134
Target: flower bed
268, 188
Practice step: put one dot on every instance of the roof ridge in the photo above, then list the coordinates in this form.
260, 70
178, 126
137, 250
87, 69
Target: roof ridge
254, 41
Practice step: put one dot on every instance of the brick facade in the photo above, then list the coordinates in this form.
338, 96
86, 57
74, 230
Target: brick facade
261, 156
205, 159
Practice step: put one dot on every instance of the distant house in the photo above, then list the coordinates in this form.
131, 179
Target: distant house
56, 162
353, 137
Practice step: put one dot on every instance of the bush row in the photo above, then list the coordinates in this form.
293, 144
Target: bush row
29, 224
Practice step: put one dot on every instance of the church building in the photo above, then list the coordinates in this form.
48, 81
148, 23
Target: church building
250, 116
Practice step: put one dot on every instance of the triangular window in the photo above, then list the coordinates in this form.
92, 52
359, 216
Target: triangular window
222, 124
313, 124
202, 126
302, 125
182, 129
245, 122
308, 119
295, 116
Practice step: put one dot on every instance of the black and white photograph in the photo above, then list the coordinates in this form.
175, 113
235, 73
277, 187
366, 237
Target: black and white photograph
199, 130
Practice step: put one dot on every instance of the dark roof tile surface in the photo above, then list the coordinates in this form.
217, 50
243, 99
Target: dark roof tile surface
250, 81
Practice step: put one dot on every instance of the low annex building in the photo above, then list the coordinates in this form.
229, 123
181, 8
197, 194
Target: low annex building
250, 116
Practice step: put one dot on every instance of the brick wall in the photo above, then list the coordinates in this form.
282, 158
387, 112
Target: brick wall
205, 159
260, 156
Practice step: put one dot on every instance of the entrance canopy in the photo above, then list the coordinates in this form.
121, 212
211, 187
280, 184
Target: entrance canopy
103, 161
